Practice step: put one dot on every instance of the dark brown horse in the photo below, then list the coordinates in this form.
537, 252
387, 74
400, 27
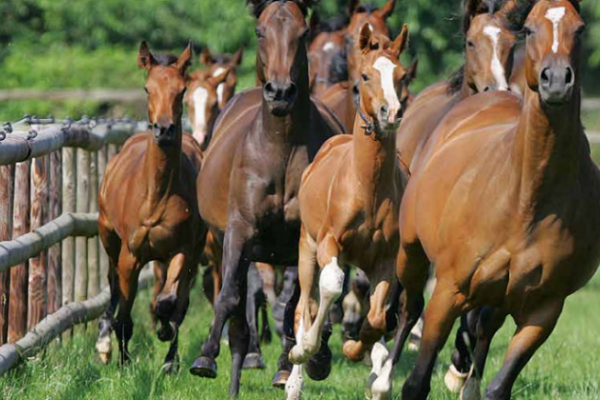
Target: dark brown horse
349, 201
506, 203
265, 139
148, 211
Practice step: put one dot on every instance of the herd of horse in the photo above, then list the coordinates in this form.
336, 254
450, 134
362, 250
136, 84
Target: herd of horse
330, 162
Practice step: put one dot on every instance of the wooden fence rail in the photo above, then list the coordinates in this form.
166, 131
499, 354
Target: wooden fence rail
55, 324
49, 181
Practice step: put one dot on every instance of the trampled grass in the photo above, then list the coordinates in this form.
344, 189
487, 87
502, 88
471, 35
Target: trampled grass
567, 367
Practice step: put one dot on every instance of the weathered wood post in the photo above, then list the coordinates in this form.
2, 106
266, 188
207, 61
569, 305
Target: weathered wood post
92, 244
69, 186
102, 162
6, 215
54, 253
37, 265
17, 318
81, 206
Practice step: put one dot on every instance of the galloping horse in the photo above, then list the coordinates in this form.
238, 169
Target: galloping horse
203, 102
489, 44
349, 202
506, 204
148, 211
253, 209
340, 98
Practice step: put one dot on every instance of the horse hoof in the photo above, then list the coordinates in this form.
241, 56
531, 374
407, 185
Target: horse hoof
454, 379
353, 351
254, 361
104, 350
170, 368
204, 367
280, 379
318, 368
471, 390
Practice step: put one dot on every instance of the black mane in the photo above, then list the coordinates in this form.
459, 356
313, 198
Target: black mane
455, 81
338, 70
258, 6
165, 59
334, 24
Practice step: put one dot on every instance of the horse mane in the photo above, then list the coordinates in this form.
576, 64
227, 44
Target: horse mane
258, 6
368, 8
165, 59
338, 70
334, 24
456, 80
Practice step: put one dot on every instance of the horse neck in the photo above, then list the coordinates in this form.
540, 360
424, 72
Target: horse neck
373, 165
162, 167
465, 90
548, 148
293, 128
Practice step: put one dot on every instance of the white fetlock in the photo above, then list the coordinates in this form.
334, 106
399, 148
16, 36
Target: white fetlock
379, 355
472, 389
331, 282
454, 379
103, 347
382, 387
415, 336
294, 384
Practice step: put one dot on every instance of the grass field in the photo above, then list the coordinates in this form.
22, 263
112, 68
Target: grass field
567, 367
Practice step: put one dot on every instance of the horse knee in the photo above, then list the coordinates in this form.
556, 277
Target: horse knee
165, 305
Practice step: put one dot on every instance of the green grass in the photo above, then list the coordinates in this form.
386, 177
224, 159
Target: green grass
566, 367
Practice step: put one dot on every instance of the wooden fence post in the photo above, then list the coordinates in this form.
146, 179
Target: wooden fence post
92, 244
69, 186
102, 162
54, 256
17, 319
6, 215
37, 265
82, 203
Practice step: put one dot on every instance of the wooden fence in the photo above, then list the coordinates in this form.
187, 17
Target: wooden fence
52, 267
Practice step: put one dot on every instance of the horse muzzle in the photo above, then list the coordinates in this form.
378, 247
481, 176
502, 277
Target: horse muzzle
280, 97
164, 135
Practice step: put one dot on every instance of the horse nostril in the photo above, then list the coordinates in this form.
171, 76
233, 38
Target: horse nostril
290, 91
487, 89
569, 76
384, 110
269, 90
544, 75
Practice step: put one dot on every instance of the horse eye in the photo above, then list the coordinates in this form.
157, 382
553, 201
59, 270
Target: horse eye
365, 77
580, 30
259, 34
146, 90
528, 31
470, 44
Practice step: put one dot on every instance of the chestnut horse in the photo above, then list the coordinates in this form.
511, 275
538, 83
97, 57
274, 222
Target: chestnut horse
349, 202
341, 98
148, 211
249, 200
203, 102
507, 206
216, 64
489, 44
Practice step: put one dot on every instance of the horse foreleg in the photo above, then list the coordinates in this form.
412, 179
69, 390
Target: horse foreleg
160, 275
128, 272
254, 358
461, 357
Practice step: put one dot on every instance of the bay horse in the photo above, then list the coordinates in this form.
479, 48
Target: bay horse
216, 64
349, 203
507, 205
203, 100
148, 211
341, 98
253, 210
327, 53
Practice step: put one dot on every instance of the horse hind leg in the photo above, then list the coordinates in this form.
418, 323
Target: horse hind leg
128, 272
159, 282
464, 345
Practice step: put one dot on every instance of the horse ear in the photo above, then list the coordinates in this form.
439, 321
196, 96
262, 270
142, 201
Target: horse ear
353, 6
238, 56
216, 80
399, 44
185, 59
411, 73
472, 9
145, 58
206, 57
364, 37
388, 9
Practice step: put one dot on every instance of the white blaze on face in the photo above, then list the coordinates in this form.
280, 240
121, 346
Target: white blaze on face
386, 69
493, 32
221, 86
200, 97
555, 15
329, 46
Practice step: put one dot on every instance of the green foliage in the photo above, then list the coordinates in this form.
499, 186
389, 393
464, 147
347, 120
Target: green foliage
90, 43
